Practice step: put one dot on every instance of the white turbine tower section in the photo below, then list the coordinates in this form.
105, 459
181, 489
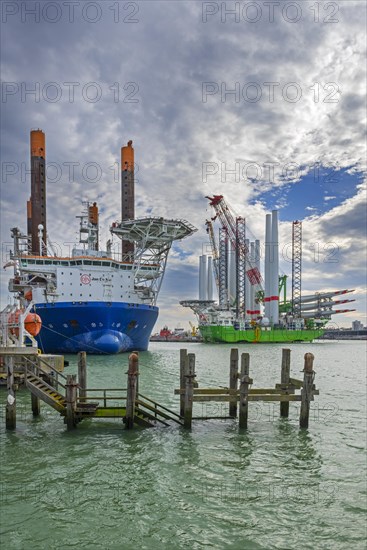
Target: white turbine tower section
268, 240
232, 275
274, 277
203, 277
209, 285
257, 265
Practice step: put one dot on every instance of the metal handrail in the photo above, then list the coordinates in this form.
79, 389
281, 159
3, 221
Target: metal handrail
52, 368
105, 389
38, 368
52, 388
101, 397
158, 405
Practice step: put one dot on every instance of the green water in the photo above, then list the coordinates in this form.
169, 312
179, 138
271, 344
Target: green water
273, 486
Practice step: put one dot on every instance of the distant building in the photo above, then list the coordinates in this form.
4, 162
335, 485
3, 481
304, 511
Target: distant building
357, 325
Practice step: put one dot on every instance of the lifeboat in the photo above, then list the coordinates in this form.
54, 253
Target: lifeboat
32, 323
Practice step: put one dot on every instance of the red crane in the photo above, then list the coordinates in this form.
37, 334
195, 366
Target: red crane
230, 223
214, 247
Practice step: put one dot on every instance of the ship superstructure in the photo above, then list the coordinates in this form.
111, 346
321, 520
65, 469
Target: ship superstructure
97, 301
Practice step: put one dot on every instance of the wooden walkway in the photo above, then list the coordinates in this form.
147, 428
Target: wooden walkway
74, 401
240, 397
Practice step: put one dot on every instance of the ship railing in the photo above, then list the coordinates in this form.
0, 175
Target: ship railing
6, 338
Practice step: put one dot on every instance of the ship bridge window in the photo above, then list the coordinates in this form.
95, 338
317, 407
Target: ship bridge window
39, 262
48, 262
73, 262
87, 262
97, 263
64, 263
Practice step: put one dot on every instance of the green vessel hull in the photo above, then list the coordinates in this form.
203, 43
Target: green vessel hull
219, 333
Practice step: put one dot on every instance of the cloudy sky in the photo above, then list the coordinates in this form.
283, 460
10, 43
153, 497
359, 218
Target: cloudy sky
263, 102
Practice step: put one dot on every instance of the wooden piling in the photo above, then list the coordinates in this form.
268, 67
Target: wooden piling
189, 390
132, 375
285, 379
307, 390
233, 382
36, 405
245, 381
183, 372
137, 374
71, 398
82, 375
11, 404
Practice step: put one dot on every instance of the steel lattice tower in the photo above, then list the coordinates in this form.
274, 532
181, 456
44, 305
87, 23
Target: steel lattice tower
240, 267
223, 267
296, 267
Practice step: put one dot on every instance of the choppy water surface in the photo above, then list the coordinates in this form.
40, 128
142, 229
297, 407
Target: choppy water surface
273, 486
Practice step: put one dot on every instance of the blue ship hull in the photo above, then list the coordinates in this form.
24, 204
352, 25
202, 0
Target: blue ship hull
95, 327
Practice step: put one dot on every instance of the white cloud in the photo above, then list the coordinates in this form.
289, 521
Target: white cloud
167, 56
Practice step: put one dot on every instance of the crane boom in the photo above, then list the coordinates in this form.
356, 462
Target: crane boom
215, 253
230, 224
227, 220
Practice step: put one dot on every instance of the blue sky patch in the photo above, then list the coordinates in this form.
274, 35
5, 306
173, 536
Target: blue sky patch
317, 192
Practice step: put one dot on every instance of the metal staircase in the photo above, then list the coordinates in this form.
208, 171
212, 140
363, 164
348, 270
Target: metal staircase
47, 386
154, 412
44, 391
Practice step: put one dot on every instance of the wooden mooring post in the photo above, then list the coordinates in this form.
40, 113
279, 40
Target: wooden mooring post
11, 404
189, 390
82, 375
283, 392
71, 387
284, 379
137, 375
132, 383
233, 382
245, 381
183, 372
36, 405
307, 390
